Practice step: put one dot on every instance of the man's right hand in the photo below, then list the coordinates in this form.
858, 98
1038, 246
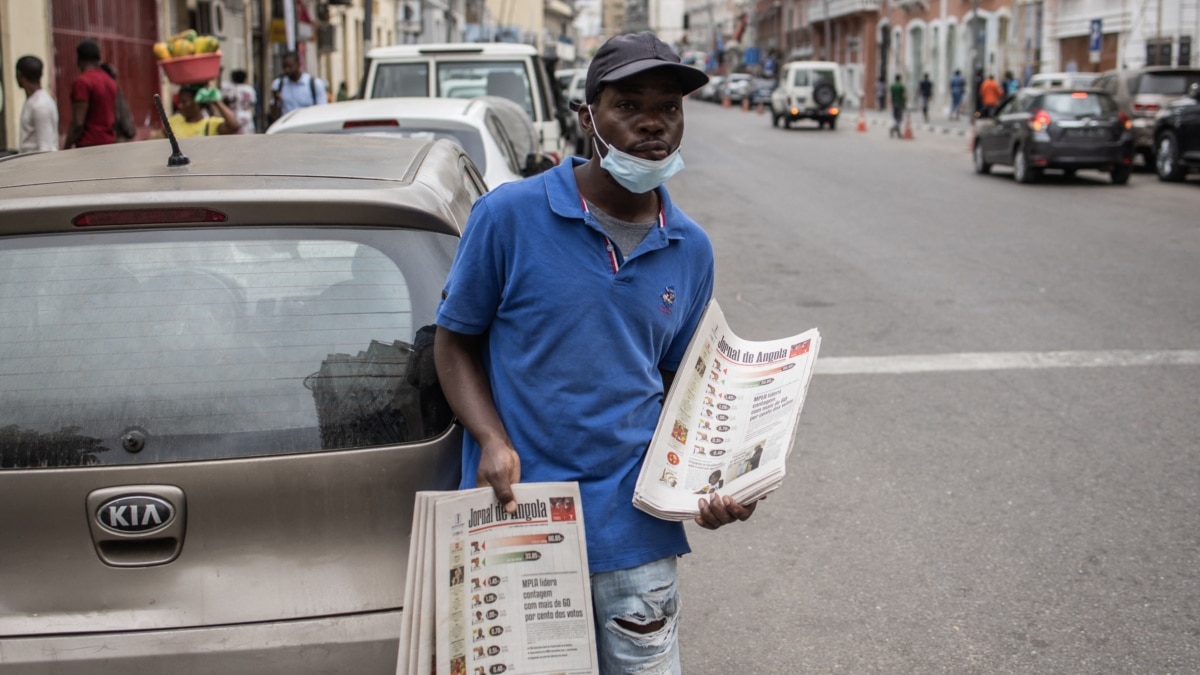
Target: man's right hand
500, 468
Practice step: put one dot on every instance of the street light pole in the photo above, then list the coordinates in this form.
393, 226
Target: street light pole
828, 39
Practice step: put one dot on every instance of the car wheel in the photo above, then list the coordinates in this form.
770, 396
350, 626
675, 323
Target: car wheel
820, 124
1167, 159
1022, 172
1069, 173
774, 120
1120, 174
1148, 159
981, 166
833, 124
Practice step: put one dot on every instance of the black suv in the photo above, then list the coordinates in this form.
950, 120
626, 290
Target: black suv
1177, 137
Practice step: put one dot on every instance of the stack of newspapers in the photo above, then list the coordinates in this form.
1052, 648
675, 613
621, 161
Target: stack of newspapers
729, 422
492, 592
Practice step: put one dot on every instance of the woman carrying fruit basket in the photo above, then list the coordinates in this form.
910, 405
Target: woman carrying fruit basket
192, 118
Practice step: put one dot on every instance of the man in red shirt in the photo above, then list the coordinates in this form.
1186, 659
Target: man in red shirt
93, 101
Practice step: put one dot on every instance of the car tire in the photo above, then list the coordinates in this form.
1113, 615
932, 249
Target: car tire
823, 94
981, 166
833, 124
1068, 173
1022, 172
775, 119
1120, 174
1166, 163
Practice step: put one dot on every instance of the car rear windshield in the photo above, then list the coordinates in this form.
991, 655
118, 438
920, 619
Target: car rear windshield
1077, 104
401, 79
805, 78
468, 79
165, 346
1172, 83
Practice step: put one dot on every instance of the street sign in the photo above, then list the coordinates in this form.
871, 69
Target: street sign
1095, 40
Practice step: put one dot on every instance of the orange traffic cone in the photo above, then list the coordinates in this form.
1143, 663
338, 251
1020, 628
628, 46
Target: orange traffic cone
746, 104
862, 118
761, 110
725, 102
908, 134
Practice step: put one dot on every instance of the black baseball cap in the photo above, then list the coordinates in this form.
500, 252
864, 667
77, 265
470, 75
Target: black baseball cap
623, 56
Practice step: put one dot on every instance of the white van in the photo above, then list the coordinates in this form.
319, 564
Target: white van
467, 70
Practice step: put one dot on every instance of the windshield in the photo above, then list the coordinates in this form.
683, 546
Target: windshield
1172, 83
164, 346
401, 79
468, 138
468, 79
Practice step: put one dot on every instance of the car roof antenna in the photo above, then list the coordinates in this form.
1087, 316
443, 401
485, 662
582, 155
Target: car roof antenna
177, 157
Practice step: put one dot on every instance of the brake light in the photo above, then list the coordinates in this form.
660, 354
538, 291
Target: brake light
795, 111
1040, 121
833, 111
149, 216
1079, 94
358, 124
1145, 108
1124, 120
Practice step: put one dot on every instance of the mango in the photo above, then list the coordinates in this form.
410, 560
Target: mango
162, 51
206, 44
182, 47
188, 35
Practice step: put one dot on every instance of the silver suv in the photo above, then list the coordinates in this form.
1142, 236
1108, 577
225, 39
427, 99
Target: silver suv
219, 401
1141, 93
808, 90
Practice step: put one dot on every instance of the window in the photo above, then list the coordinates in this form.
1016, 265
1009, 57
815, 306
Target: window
217, 343
401, 79
467, 79
1078, 105
800, 78
1168, 83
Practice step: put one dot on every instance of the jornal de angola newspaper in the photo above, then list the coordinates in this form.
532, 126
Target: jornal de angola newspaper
729, 421
489, 592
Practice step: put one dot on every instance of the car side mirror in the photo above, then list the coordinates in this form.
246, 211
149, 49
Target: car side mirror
1193, 90
535, 163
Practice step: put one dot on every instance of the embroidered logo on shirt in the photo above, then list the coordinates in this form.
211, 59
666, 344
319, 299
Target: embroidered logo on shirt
668, 299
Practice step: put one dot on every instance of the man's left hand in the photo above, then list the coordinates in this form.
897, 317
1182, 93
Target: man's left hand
716, 511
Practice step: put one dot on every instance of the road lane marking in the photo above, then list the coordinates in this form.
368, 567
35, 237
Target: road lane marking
969, 361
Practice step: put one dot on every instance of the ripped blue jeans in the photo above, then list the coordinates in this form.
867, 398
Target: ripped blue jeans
637, 619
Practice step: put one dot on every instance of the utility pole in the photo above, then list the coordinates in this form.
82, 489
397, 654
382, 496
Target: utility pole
367, 7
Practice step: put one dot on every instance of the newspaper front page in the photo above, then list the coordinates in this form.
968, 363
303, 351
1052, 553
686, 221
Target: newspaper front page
504, 593
729, 421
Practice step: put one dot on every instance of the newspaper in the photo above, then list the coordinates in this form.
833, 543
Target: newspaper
729, 421
490, 592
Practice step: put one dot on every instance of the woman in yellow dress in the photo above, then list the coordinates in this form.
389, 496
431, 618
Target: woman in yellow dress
190, 118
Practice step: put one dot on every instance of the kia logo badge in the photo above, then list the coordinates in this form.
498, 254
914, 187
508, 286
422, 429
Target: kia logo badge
135, 514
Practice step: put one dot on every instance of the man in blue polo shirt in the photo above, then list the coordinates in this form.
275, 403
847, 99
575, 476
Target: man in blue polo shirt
566, 313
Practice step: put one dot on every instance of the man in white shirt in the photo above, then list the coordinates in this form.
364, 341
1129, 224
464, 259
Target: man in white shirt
242, 99
296, 89
39, 115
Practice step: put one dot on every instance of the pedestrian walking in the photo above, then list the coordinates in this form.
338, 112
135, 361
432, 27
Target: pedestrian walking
241, 98
899, 100
39, 115
990, 93
958, 86
93, 101
925, 88
881, 93
124, 127
342, 93
1010, 84
642, 273
295, 89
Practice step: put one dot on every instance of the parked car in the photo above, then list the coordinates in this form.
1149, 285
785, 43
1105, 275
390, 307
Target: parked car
760, 91
1141, 92
575, 94
1177, 137
736, 87
710, 91
218, 399
808, 90
1074, 80
1067, 129
512, 71
503, 147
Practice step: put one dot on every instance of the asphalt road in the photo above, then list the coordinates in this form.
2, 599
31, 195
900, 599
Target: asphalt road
997, 469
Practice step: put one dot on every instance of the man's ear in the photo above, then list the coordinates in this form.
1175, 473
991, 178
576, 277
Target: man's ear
585, 120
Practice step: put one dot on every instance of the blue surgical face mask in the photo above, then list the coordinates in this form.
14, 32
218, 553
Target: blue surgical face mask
634, 173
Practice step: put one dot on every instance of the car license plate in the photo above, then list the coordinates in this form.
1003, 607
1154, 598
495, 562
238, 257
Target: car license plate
1090, 132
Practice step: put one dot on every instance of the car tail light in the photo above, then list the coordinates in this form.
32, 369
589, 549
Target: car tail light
149, 216
358, 124
1124, 120
833, 111
1145, 108
795, 111
1040, 120
1079, 94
